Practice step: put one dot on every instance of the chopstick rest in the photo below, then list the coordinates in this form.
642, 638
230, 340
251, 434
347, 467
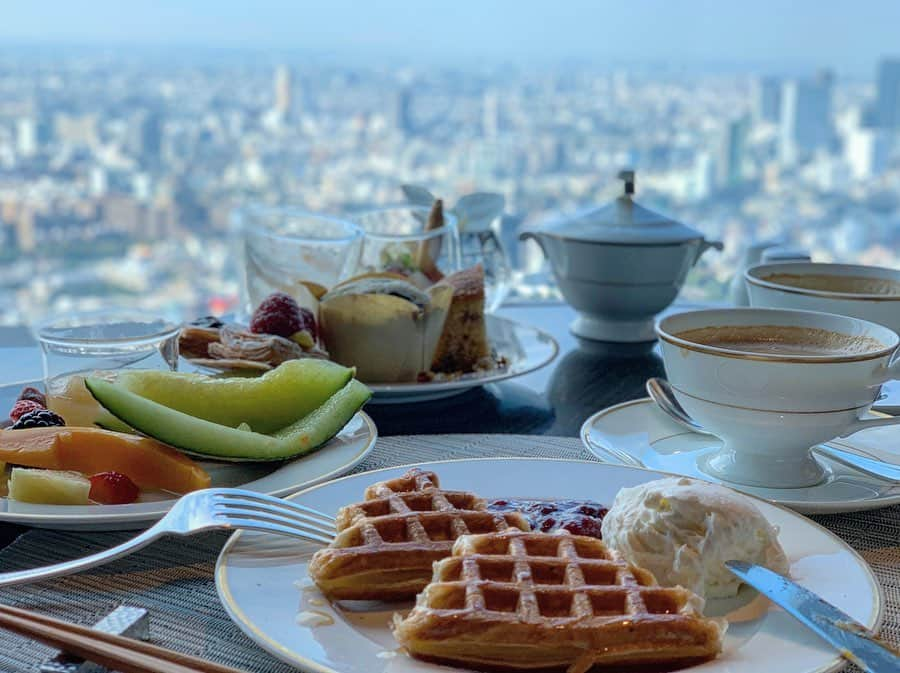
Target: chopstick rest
125, 620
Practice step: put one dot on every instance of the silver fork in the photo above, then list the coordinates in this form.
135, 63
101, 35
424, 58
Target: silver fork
210, 509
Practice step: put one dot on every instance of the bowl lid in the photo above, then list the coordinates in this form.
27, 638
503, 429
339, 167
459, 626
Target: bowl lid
623, 221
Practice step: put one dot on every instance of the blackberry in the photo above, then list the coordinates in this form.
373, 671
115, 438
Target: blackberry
42, 418
210, 321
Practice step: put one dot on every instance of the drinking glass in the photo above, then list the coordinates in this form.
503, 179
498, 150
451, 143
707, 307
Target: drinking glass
99, 343
285, 247
484, 247
396, 241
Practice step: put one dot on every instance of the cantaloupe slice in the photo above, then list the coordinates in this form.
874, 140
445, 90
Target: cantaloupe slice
148, 463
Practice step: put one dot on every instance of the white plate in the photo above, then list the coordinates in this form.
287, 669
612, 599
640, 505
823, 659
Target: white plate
525, 349
338, 457
262, 580
640, 430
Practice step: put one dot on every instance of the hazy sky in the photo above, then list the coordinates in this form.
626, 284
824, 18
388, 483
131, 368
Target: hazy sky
772, 34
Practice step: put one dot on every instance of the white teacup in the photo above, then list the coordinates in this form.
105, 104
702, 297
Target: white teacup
773, 383
867, 292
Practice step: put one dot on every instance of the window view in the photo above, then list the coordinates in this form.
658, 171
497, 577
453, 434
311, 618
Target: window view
128, 135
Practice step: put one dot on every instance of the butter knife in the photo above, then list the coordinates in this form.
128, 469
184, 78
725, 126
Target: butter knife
853, 641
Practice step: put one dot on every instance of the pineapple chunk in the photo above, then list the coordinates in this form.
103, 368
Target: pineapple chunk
49, 487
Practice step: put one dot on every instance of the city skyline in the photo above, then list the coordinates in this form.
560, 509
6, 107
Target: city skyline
119, 176
783, 38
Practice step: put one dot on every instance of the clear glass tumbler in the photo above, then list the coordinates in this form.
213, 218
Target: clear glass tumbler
396, 241
99, 344
283, 248
484, 247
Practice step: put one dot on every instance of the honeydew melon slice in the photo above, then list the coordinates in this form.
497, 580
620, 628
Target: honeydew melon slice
267, 403
213, 440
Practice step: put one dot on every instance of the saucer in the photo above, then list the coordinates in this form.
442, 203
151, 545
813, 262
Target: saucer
640, 431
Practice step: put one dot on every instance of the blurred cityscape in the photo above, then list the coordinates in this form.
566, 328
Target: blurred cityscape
118, 173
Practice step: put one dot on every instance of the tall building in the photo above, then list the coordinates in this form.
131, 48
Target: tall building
887, 104
490, 115
32, 132
26, 137
283, 81
403, 120
806, 119
867, 151
145, 136
732, 153
768, 99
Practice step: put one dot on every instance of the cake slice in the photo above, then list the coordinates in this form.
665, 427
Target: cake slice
463, 343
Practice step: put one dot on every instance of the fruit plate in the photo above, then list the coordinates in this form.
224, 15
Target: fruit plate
337, 457
263, 583
524, 348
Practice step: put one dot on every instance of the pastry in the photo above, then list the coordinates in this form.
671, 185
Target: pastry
463, 345
384, 326
386, 545
517, 601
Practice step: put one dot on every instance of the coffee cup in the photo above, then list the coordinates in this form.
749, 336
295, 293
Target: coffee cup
773, 383
867, 292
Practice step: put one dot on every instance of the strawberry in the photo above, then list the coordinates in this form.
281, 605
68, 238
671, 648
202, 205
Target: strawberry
113, 488
22, 407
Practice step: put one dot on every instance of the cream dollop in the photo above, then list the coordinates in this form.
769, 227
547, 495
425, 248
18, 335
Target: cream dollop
683, 531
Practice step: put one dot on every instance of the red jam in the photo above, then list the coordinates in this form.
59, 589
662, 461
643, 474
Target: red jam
579, 517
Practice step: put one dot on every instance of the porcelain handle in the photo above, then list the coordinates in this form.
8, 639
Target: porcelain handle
893, 368
706, 245
890, 372
525, 235
865, 424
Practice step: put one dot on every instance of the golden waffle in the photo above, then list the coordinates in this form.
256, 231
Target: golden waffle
519, 601
387, 544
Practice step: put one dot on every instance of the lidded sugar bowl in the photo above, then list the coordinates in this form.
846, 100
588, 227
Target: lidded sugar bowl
619, 264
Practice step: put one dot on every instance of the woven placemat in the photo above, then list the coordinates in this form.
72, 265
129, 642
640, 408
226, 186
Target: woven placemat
173, 578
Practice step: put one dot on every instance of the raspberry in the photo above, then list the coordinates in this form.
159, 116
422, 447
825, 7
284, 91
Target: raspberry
34, 395
113, 488
22, 407
39, 418
279, 314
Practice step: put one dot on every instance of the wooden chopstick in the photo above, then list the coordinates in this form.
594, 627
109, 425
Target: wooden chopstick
115, 652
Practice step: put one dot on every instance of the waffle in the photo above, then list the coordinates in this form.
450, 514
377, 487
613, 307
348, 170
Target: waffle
387, 544
519, 601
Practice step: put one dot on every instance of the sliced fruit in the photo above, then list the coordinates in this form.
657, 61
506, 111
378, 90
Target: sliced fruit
198, 436
113, 488
148, 463
49, 487
71, 400
267, 403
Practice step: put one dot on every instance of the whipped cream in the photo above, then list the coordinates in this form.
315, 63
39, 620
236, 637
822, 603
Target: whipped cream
684, 530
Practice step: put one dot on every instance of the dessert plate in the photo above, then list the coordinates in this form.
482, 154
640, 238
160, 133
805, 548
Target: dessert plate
263, 584
524, 349
339, 456
638, 431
